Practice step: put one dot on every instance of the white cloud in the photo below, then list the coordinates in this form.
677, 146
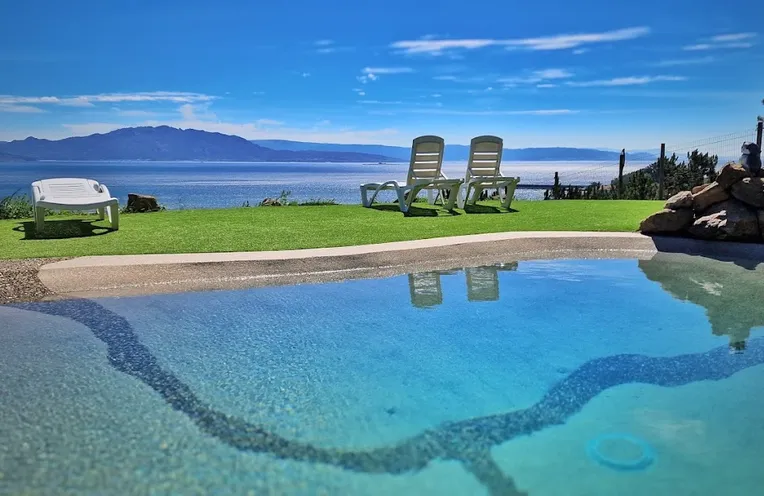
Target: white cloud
546, 85
557, 42
699, 46
537, 77
90, 100
258, 93
135, 113
679, 62
305, 74
323, 43
20, 109
268, 122
496, 112
626, 81
579, 51
734, 40
436, 95
359, 92
380, 102
387, 70
723, 38
457, 79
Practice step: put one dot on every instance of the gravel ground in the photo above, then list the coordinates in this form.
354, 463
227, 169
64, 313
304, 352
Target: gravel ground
19, 281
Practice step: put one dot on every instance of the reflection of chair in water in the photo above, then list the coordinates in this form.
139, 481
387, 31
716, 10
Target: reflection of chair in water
425, 290
483, 282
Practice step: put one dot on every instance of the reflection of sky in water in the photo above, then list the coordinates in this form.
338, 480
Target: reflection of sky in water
191, 185
447, 365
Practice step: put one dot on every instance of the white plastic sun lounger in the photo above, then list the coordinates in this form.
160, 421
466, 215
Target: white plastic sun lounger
73, 194
483, 172
424, 174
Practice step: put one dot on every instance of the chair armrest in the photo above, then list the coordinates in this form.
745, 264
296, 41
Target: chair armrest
36, 192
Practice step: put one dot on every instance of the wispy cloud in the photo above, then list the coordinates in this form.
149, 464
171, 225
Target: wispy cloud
91, 100
380, 102
546, 85
135, 113
387, 70
626, 81
323, 43
556, 42
725, 38
20, 109
536, 77
457, 79
580, 51
305, 74
496, 112
372, 73
680, 62
721, 41
268, 122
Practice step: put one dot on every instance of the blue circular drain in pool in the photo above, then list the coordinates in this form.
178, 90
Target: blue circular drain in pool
644, 460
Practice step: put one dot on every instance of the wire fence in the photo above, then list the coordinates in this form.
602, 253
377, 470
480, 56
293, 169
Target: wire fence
727, 147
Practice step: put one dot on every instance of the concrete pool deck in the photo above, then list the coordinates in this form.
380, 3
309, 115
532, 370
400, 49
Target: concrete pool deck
126, 275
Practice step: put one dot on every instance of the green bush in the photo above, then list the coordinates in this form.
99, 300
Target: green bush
16, 207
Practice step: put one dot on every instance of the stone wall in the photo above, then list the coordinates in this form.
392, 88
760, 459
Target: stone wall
730, 208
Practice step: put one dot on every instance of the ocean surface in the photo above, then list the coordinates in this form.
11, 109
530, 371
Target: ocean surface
185, 185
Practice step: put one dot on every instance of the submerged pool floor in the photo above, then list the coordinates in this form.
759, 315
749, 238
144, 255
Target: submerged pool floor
487, 380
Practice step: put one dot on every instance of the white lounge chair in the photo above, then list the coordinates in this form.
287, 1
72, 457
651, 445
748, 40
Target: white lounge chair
483, 172
73, 194
424, 174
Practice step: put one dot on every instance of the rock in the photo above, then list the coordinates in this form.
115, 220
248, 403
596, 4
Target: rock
683, 199
141, 203
711, 194
750, 190
666, 221
699, 188
761, 223
730, 174
270, 202
731, 220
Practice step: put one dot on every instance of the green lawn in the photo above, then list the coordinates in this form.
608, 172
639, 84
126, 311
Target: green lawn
281, 228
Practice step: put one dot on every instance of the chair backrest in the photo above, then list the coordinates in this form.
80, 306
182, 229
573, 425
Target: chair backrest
425, 290
482, 283
485, 156
426, 158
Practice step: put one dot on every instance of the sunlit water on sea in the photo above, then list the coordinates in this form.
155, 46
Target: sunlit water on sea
184, 185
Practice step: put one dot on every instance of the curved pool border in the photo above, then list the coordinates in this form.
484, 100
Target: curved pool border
127, 275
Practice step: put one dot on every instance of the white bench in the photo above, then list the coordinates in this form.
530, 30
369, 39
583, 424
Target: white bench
73, 194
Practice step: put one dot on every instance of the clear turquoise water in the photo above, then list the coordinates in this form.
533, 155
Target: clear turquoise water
492, 380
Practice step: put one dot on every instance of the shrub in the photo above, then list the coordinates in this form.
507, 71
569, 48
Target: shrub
16, 207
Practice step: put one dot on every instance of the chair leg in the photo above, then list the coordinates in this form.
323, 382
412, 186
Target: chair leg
475, 195
39, 219
101, 213
365, 196
113, 213
453, 193
510, 193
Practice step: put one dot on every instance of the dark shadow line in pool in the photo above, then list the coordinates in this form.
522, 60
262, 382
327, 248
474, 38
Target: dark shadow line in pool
468, 441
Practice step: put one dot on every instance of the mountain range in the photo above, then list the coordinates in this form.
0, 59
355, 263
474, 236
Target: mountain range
164, 143
461, 152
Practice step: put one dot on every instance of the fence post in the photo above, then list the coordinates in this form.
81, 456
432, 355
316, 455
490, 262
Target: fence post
660, 170
759, 126
621, 164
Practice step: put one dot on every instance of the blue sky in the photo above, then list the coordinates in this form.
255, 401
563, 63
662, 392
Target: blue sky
587, 73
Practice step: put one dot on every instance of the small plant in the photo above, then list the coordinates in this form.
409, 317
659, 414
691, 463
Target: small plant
16, 207
318, 202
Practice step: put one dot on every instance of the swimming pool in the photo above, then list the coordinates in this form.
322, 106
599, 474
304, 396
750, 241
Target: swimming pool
573, 377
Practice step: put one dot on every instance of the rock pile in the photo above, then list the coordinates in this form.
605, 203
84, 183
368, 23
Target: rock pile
730, 208
141, 203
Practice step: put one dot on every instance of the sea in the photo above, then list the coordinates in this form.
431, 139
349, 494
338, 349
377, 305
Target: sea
193, 185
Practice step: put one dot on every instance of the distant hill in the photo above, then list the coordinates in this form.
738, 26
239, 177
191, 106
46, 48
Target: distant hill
461, 152
168, 143
8, 157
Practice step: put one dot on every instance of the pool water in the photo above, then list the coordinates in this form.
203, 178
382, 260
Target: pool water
575, 377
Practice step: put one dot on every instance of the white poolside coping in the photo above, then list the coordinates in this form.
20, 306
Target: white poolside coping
246, 256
